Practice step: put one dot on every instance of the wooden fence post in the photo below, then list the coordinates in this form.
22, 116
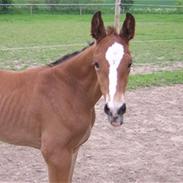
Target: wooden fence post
80, 10
117, 15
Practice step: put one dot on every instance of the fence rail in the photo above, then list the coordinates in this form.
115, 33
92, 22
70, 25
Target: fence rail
90, 7
63, 4
51, 6
95, 4
78, 44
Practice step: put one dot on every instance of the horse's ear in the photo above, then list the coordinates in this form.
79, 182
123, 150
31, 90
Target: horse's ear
128, 28
97, 27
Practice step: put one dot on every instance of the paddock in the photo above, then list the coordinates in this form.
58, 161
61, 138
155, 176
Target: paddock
147, 148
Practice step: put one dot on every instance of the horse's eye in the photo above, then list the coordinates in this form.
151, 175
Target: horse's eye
129, 65
97, 65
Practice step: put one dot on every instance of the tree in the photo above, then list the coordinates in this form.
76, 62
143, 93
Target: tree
34, 7
126, 4
6, 5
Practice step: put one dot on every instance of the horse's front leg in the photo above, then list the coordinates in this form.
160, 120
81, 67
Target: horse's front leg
59, 162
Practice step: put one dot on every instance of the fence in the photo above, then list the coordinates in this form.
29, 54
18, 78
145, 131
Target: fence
56, 8
89, 8
22, 55
79, 45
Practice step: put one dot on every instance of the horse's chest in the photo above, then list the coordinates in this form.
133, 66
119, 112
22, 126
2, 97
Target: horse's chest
83, 139
85, 136
87, 131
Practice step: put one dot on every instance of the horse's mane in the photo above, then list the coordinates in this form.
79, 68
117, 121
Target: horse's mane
110, 30
68, 56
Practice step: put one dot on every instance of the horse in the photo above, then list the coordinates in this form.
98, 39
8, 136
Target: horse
51, 107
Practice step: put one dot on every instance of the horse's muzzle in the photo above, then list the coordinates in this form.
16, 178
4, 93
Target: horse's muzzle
115, 118
116, 121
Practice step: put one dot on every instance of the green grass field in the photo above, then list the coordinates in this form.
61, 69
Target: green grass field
155, 79
159, 38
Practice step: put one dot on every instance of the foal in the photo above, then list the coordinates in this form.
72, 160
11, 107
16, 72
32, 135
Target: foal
52, 107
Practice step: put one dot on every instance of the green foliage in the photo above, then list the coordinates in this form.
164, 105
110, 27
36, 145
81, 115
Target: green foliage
155, 2
5, 1
52, 7
73, 1
179, 3
126, 4
130, 5
71, 9
6, 6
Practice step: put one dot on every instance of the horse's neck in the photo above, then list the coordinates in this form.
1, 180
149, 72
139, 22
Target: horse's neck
80, 69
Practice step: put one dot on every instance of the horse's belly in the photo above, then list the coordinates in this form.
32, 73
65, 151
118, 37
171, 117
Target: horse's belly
19, 136
16, 125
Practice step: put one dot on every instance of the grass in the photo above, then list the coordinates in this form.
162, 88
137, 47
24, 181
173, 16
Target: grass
155, 79
41, 30
46, 30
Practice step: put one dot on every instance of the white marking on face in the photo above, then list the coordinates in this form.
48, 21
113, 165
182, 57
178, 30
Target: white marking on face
113, 55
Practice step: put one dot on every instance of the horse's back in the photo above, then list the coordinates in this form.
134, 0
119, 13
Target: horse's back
14, 79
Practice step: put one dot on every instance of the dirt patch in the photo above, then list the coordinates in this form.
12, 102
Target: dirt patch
148, 148
150, 68
136, 68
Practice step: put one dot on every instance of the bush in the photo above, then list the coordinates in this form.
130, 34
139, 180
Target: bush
126, 5
6, 5
179, 3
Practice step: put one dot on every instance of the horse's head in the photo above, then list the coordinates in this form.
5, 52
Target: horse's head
112, 61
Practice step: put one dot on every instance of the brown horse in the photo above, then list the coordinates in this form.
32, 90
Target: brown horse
52, 107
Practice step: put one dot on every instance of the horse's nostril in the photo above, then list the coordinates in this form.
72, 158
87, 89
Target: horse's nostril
106, 109
122, 109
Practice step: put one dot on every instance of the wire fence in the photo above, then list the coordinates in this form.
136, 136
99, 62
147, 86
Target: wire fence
84, 8
155, 49
79, 44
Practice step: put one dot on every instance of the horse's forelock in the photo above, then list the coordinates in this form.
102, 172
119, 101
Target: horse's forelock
111, 30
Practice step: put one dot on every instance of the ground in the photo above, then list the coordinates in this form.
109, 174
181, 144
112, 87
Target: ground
148, 148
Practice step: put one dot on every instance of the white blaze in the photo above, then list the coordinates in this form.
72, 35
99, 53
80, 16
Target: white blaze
113, 55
